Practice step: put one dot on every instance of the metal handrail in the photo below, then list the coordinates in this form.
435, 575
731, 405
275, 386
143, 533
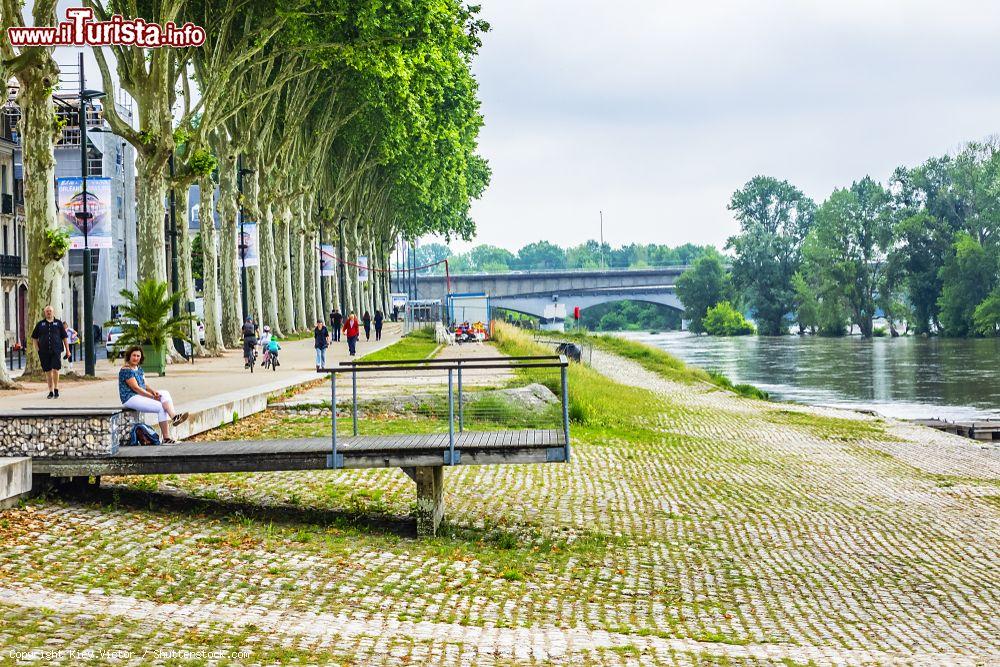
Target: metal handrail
452, 457
446, 360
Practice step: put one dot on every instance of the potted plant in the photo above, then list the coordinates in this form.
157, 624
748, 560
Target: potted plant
147, 320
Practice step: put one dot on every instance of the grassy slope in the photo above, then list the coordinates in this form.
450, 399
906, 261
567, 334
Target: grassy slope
418, 344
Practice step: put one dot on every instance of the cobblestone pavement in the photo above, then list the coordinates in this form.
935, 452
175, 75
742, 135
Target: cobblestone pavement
721, 531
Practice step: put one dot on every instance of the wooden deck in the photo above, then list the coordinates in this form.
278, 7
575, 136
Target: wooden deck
384, 451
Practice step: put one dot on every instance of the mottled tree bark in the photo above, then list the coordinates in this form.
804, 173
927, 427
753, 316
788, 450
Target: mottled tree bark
150, 241
45, 274
184, 245
286, 306
229, 265
268, 265
210, 270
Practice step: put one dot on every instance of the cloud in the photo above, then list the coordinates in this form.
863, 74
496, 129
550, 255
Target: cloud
656, 111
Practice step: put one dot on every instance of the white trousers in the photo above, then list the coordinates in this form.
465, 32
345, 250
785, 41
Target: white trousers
146, 404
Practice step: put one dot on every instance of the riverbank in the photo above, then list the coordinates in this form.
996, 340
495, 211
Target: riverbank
692, 527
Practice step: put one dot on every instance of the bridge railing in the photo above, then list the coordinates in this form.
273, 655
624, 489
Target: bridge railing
527, 394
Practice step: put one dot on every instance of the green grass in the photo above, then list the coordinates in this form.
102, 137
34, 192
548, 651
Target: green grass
665, 364
418, 344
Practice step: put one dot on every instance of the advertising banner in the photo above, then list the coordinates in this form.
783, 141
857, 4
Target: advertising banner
362, 269
249, 246
397, 300
327, 260
98, 218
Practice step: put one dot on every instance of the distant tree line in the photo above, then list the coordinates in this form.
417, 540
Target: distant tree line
922, 251
543, 255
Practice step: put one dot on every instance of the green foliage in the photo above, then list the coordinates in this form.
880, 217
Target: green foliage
724, 320
630, 316
181, 136
56, 243
197, 258
967, 277
806, 303
146, 316
701, 287
774, 219
203, 162
987, 314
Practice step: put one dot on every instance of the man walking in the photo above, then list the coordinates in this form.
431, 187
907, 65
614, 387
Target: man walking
50, 339
335, 321
379, 318
321, 340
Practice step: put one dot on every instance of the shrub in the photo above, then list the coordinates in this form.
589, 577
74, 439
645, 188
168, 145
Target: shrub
724, 320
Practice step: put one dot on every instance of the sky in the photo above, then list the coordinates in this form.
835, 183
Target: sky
655, 112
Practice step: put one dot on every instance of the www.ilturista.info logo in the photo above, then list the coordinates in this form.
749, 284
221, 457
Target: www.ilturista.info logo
80, 29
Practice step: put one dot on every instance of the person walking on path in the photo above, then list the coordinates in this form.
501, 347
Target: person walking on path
379, 317
321, 340
352, 331
50, 339
336, 320
366, 320
136, 395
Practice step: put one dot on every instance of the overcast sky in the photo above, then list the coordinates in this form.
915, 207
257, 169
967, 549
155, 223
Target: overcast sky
654, 112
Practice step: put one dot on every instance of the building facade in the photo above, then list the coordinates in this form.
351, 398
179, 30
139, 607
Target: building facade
13, 259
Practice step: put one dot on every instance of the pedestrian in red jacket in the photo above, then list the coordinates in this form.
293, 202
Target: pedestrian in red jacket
352, 329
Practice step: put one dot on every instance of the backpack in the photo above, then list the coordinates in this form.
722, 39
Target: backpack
248, 329
142, 434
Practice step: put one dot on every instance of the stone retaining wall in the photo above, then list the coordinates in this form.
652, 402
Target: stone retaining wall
70, 433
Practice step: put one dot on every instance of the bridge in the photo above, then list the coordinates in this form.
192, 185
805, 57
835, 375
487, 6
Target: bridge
529, 292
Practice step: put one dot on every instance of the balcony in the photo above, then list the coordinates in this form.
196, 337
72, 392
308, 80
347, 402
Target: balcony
10, 265
7, 204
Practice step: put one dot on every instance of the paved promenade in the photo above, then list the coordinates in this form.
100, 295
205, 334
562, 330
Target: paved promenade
699, 529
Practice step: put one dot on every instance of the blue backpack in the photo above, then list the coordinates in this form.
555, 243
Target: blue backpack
142, 434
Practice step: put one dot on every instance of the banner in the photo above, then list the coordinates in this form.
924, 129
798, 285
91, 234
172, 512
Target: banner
249, 247
362, 269
327, 260
98, 224
397, 300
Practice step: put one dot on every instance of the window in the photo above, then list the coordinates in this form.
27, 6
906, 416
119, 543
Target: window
6, 308
3, 179
5, 240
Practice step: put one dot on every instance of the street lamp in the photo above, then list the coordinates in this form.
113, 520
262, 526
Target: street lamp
240, 173
85, 218
341, 266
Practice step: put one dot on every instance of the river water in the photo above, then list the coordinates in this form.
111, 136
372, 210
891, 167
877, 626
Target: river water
907, 378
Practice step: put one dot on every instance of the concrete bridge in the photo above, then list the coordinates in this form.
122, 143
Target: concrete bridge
530, 292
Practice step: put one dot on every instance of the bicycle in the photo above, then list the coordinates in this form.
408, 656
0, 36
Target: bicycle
252, 359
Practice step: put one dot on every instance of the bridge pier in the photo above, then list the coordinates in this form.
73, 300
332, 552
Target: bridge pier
430, 498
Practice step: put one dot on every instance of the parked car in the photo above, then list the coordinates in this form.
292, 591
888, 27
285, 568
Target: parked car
114, 333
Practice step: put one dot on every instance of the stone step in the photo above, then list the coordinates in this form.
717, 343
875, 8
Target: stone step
15, 479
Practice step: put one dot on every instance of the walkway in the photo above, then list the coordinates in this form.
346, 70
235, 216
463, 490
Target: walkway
212, 389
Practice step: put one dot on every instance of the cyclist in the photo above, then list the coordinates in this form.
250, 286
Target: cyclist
265, 338
272, 351
249, 341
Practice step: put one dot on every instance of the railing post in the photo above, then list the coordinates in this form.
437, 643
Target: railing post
565, 405
354, 398
335, 459
451, 420
461, 409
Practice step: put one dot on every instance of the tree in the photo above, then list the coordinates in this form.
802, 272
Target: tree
806, 304
922, 244
724, 320
967, 277
430, 254
540, 255
701, 287
774, 218
853, 233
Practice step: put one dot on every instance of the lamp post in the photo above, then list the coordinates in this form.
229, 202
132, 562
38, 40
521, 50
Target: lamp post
342, 267
322, 285
85, 218
240, 172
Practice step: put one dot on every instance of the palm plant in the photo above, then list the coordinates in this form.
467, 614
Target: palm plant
146, 318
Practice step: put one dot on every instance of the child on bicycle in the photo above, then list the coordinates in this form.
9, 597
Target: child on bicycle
272, 350
265, 338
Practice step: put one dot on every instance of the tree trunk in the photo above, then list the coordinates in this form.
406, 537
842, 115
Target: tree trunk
184, 244
286, 306
45, 274
299, 275
268, 265
312, 279
210, 270
150, 241
229, 266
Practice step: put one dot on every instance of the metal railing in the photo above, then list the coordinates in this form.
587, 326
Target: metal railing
455, 368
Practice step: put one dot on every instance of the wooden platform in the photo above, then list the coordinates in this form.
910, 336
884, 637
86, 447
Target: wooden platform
386, 451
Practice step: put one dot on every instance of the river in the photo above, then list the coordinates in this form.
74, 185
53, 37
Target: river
907, 378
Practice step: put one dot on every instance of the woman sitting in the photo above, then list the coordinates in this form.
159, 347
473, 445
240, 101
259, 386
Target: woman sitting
137, 396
